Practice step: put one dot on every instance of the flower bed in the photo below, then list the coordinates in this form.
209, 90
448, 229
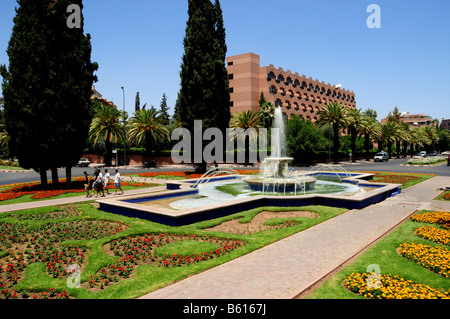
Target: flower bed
436, 259
143, 250
379, 286
37, 192
440, 236
43, 244
188, 174
437, 218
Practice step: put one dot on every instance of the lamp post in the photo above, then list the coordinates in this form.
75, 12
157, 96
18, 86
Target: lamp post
125, 133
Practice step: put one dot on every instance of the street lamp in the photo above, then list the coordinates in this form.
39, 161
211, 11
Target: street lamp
125, 132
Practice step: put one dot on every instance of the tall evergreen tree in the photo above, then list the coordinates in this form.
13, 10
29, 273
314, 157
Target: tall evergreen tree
164, 111
47, 87
204, 93
137, 104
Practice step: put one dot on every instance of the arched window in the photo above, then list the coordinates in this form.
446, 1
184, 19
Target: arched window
288, 81
278, 103
296, 83
310, 87
273, 90
316, 89
280, 78
282, 91
270, 76
304, 86
291, 93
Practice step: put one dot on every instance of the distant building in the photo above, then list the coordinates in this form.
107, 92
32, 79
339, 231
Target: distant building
99, 97
296, 94
445, 124
414, 120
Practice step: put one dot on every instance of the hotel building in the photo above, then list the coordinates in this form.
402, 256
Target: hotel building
296, 94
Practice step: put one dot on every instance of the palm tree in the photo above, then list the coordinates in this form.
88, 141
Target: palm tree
432, 135
355, 118
368, 127
266, 112
146, 128
337, 115
246, 120
388, 134
106, 124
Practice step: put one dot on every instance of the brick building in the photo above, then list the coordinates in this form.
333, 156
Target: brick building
445, 124
414, 120
296, 94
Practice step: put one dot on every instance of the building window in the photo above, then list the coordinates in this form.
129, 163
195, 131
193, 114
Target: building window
288, 81
231, 90
230, 63
270, 76
230, 76
278, 103
273, 90
304, 85
296, 83
283, 92
231, 103
280, 79
311, 87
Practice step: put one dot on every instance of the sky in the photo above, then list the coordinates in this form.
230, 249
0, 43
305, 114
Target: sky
138, 44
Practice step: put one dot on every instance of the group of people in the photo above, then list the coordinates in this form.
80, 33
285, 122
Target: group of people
100, 183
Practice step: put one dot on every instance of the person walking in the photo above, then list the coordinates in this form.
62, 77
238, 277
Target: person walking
106, 181
99, 184
87, 184
117, 182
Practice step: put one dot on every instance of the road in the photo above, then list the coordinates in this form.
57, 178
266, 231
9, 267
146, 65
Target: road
393, 165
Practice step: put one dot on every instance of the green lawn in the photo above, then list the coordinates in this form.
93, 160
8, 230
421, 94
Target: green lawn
147, 277
384, 254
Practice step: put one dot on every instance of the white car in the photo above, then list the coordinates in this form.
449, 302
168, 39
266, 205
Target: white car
381, 157
83, 162
422, 154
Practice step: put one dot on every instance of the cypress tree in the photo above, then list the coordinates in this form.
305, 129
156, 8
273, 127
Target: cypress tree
47, 87
204, 93
164, 111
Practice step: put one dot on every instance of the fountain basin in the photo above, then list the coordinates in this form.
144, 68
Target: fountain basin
285, 185
131, 206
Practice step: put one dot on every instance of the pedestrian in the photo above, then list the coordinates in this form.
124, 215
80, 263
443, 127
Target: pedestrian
106, 181
117, 182
99, 184
87, 184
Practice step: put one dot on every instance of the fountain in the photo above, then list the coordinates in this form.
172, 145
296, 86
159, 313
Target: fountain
187, 202
274, 174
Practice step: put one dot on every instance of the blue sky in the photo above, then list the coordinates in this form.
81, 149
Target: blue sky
405, 63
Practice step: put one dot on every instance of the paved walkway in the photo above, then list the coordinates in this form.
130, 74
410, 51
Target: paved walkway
289, 267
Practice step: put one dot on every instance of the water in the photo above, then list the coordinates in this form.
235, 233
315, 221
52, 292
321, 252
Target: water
210, 194
279, 135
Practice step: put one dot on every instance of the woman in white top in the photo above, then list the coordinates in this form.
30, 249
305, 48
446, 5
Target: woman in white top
106, 181
117, 181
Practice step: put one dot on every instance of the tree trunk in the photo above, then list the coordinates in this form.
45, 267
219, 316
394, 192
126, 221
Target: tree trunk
68, 176
43, 174
353, 140
366, 146
336, 143
55, 178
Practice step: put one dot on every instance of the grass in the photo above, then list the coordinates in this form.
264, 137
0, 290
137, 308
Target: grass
384, 255
445, 196
148, 277
405, 179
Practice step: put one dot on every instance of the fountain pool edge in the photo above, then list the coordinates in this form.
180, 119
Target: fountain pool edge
129, 205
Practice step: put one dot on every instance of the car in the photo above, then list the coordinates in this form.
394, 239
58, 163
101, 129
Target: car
434, 153
381, 157
422, 154
83, 162
448, 160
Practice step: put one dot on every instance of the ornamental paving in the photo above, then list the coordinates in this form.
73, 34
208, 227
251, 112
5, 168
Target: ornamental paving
287, 268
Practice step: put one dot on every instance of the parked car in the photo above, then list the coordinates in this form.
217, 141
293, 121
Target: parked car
83, 162
422, 154
381, 157
434, 153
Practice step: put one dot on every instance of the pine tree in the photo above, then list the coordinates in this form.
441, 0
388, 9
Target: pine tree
204, 93
137, 104
47, 87
164, 111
